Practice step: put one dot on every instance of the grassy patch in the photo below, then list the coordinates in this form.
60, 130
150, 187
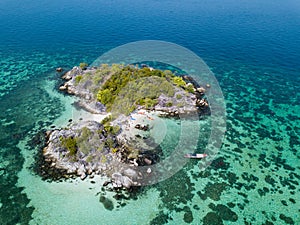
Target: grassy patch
78, 79
179, 81
178, 96
131, 85
112, 129
70, 143
89, 159
83, 65
169, 104
103, 159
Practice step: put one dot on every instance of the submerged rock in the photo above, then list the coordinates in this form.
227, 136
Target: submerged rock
59, 69
108, 204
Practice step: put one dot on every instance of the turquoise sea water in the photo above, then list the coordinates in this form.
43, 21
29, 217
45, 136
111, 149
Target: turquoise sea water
253, 48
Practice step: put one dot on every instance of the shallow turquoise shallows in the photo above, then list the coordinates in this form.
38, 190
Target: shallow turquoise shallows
253, 49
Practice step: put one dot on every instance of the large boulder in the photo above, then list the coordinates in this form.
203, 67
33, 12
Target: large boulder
130, 173
118, 181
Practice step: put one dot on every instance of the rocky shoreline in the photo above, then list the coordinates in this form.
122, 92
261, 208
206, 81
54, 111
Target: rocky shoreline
114, 148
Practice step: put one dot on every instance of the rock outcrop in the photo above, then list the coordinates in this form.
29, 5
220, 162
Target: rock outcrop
87, 148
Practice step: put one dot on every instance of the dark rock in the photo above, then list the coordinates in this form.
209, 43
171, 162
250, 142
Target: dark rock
225, 213
270, 180
106, 183
145, 127
284, 203
161, 218
292, 200
231, 204
261, 192
212, 218
188, 215
108, 204
59, 69
219, 163
196, 207
286, 219
142, 127
213, 191
268, 223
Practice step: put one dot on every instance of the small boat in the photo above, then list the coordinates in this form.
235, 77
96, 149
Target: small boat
195, 155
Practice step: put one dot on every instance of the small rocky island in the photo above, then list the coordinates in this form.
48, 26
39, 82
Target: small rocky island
128, 99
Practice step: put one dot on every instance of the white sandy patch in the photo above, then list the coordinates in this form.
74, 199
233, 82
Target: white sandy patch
157, 128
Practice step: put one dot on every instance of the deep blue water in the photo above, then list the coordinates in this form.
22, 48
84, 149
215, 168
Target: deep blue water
253, 47
251, 31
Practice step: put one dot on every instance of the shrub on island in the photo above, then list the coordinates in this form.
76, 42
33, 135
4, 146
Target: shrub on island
70, 143
78, 79
83, 65
130, 87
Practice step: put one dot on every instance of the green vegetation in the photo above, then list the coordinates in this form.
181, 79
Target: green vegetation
168, 73
84, 140
144, 92
136, 86
111, 129
179, 81
70, 143
190, 88
114, 150
85, 133
94, 80
123, 88
100, 147
169, 104
78, 79
83, 65
103, 159
178, 96
148, 102
180, 104
89, 159
109, 143
134, 154
105, 96
106, 120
